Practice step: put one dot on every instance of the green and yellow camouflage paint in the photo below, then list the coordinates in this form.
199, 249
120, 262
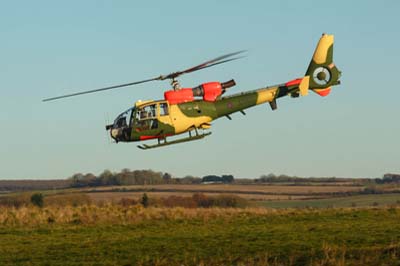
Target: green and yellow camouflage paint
320, 76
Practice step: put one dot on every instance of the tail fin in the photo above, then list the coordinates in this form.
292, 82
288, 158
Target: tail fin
322, 71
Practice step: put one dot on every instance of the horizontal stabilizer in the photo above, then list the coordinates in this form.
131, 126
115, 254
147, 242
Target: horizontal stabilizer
323, 92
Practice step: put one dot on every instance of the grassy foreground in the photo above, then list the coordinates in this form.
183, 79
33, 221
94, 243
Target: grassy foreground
115, 235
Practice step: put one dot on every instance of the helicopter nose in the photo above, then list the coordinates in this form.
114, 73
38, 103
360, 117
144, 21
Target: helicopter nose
114, 133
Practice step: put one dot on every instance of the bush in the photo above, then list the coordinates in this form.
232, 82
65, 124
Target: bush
200, 200
145, 200
228, 201
37, 199
177, 201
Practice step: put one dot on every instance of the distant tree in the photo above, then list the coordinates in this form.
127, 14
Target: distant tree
107, 178
267, 178
77, 180
125, 177
90, 180
227, 178
37, 199
145, 200
189, 180
391, 178
211, 178
167, 178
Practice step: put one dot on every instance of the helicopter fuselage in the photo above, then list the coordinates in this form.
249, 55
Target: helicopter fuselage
161, 119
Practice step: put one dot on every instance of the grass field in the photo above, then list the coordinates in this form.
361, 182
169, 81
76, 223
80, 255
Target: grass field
250, 192
339, 202
117, 196
91, 226
111, 235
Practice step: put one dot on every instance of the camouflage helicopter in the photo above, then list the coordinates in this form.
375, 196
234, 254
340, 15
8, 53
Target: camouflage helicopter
191, 110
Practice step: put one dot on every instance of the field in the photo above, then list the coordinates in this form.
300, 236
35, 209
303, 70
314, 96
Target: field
337, 202
249, 192
280, 224
112, 235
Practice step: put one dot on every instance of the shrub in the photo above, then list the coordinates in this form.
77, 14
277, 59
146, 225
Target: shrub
145, 200
202, 200
37, 199
228, 201
224, 201
177, 201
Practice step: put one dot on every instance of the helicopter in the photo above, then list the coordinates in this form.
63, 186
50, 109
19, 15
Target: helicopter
191, 110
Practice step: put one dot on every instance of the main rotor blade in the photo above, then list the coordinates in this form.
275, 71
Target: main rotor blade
222, 62
206, 64
102, 89
210, 63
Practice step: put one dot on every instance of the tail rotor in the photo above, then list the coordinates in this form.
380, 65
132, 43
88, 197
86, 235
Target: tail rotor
322, 71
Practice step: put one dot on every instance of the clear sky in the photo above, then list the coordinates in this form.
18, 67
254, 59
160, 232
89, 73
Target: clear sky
48, 48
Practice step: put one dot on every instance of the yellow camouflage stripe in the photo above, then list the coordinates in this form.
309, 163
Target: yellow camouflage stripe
182, 122
321, 52
266, 95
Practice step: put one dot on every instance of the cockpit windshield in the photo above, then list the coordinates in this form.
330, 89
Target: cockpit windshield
139, 120
125, 118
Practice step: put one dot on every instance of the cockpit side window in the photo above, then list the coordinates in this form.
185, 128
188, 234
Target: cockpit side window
148, 111
146, 118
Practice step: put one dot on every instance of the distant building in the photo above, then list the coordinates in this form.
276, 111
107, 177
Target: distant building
211, 182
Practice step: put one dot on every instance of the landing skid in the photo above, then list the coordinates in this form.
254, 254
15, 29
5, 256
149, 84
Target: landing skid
163, 141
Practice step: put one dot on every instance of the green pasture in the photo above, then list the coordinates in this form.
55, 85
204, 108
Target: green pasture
320, 237
339, 202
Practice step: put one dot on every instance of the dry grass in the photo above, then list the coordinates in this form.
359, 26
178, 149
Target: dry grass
67, 199
117, 214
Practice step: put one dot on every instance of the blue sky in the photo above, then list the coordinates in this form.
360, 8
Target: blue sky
49, 48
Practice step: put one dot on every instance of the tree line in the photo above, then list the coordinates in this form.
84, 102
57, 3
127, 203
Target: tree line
150, 177
140, 177
388, 179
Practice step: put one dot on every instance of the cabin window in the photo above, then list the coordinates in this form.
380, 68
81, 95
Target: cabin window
164, 109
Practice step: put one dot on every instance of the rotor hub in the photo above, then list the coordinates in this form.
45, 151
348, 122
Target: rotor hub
321, 75
175, 84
